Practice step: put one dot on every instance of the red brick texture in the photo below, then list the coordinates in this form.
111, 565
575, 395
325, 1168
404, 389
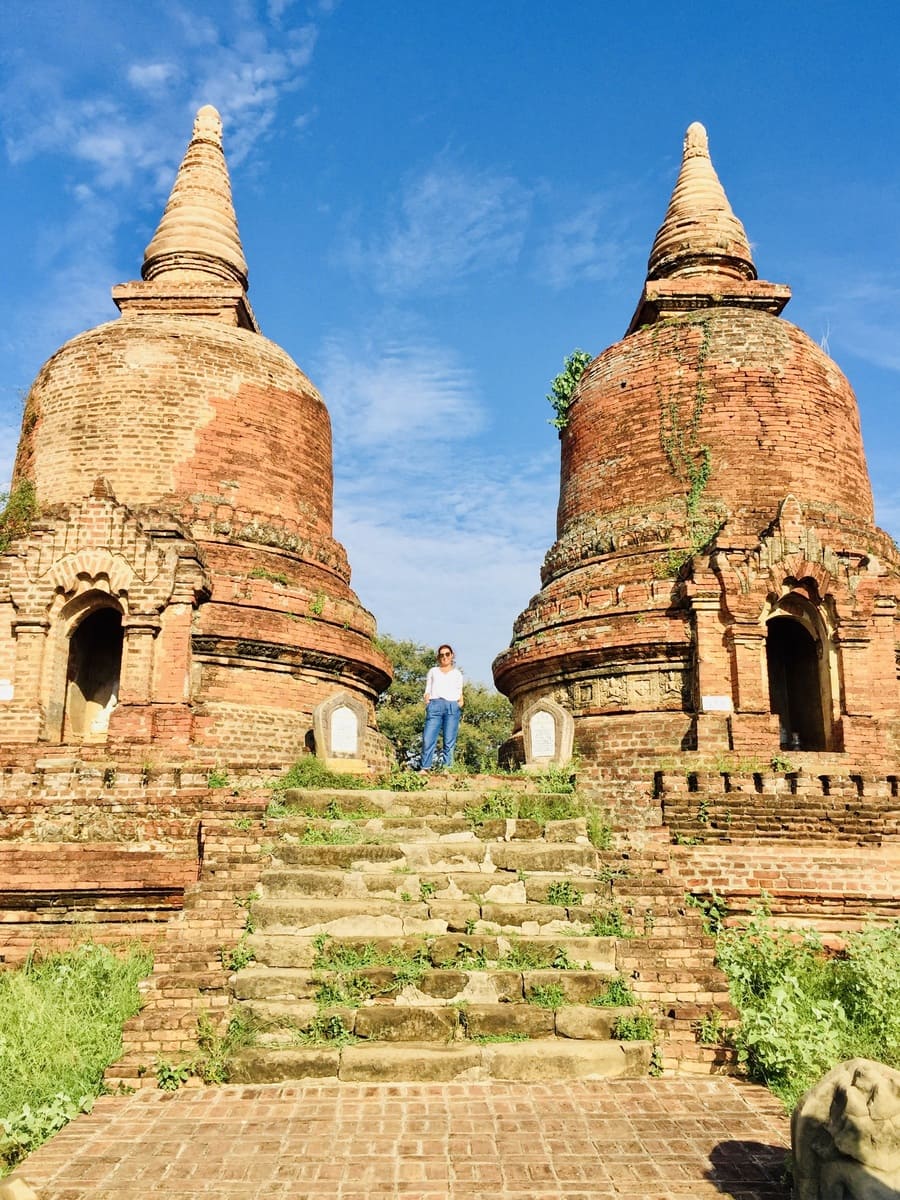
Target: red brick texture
658, 592
183, 472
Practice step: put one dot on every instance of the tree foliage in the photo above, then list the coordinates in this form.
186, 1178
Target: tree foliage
562, 389
486, 719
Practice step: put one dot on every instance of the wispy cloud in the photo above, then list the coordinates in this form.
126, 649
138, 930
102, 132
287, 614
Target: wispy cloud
151, 76
450, 221
445, 533
397, 391
450, 546
590, 245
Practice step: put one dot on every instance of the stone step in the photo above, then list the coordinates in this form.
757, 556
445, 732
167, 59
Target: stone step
370, 916
434, 986
588, 887
521, 1061
432, 828
282, 1022
458, 951
457, 852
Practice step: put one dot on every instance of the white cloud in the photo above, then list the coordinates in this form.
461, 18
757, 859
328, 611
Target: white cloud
397, 392
452, 221
588, 245
151, 76
445, 534
453, 554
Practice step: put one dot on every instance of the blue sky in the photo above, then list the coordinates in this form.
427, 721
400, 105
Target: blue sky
437, 203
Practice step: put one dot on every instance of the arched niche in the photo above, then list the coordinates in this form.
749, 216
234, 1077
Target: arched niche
801, 664
93, 672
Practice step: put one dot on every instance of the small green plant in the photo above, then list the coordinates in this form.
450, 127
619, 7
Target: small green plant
18, 512
242, 824
171, 1076
406, 897
271, 576
564, 893
401, 780
634, 1027
549, 995
332, 835
238, 957
598, 830
217, 777
490, 1039
427, 888
345, 991
317, 604
311, 772
617, 994
710, 1029
713, 908
563, 387
611, 923
326, 1029
682, 839
557, 779
216, 1049
781, 765
703, 815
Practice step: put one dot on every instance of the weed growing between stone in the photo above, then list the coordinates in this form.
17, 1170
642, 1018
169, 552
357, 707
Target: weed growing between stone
61, 1021
634, 1027
564, 893
550, 995
506, 804
216, 1049
612, 923
802, 1011
617, 994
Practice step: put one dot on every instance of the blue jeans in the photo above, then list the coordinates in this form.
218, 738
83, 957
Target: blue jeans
441, 716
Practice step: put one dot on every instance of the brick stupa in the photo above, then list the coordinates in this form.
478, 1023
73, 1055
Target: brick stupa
180, 584
717, 581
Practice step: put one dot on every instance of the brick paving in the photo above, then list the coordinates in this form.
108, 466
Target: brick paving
663, 1139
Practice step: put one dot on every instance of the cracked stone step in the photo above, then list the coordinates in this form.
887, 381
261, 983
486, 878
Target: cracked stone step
583, 889
432, 828
288, 950
456, 852
526, 1061
281, 1021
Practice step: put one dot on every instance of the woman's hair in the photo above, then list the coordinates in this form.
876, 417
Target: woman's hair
445, 646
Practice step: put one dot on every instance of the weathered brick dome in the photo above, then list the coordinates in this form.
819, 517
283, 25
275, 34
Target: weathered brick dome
182, 465
716, 575
725, 386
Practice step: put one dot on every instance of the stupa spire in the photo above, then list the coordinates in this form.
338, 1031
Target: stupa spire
700, 234
197, 238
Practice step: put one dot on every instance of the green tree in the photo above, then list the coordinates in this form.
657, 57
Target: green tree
486, 720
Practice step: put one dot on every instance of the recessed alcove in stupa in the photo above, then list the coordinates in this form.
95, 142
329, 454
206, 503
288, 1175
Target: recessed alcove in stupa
717, 582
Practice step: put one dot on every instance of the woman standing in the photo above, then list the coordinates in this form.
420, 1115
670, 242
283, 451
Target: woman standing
443, 705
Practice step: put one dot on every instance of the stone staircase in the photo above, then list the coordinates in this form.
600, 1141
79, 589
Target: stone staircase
420, 935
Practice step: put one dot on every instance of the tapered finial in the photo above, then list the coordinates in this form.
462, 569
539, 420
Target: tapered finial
700, 234
198, 237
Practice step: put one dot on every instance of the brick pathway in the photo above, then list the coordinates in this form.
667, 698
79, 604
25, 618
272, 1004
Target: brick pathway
666, 1139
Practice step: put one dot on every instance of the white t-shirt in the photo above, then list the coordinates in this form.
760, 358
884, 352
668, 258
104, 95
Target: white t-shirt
444, 685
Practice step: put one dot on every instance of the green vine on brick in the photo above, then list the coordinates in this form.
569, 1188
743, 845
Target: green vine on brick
562, 389
18, 512
690, 461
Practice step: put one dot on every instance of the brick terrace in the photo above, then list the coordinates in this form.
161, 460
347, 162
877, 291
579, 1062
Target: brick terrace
587, 1140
